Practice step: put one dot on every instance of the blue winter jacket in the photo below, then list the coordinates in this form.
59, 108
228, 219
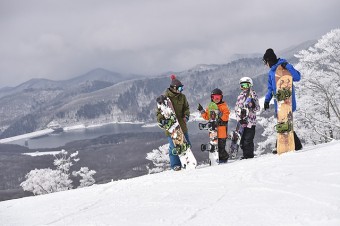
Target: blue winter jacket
272, 84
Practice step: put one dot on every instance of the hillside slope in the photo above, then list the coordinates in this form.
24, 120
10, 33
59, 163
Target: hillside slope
301, 188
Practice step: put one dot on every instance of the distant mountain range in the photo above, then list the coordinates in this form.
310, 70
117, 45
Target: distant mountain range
103, 96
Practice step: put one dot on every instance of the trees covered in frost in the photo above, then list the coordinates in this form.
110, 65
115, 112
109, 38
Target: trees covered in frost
86, 176
160, 158
318, 92
44, 181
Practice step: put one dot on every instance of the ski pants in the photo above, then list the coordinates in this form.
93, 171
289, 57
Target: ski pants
174, 159
247, 142
222, 153
298, 145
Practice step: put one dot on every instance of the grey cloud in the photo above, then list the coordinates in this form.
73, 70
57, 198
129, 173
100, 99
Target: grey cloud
62, 39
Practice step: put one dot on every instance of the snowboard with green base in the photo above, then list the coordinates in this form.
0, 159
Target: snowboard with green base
211, 126
171, 124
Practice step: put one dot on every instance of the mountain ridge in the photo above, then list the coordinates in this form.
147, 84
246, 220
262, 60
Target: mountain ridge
112, 97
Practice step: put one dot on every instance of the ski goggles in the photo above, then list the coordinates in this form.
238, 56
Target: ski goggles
180, 88
245, 85
216, 97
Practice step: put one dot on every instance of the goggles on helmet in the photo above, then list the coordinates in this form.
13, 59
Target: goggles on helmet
180, 88
216, 97
245, 85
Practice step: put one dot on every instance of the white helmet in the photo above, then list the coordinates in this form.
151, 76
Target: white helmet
246, 80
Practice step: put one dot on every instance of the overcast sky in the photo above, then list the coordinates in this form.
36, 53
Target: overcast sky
60, 39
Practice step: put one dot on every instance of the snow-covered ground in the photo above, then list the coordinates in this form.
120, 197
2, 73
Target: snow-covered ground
301, 188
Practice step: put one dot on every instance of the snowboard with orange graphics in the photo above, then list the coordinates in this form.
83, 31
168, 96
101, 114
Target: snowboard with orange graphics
284, 127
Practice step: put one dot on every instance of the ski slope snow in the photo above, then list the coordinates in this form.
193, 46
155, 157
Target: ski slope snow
301, 188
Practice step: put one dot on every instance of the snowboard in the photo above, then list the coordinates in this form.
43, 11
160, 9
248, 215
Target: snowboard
283, 95
235, 135
235, 138
182, 148
211, 126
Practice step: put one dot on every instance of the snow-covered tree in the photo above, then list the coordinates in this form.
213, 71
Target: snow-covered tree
44, 181
64, 162
86, 175
268, 124
160, 158
318, 92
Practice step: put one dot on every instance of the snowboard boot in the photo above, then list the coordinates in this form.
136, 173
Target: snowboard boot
223, 156
298, 145
274, 151
177, 168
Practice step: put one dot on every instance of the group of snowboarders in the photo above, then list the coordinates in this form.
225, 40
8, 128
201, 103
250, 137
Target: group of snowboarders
247, 105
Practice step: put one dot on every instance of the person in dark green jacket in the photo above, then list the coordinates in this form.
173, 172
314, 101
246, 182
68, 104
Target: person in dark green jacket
182, 111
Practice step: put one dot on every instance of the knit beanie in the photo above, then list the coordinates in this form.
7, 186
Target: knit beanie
270, 57
175, 83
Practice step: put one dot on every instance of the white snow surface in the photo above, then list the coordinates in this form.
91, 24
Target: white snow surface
297, 188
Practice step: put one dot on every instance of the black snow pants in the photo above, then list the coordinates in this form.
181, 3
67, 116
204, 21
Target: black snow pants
247, 142
222, 153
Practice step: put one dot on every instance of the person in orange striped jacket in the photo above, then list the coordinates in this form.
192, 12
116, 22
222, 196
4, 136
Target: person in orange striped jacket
222, 129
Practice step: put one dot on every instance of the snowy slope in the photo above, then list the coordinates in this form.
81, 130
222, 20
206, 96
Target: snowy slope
301, 188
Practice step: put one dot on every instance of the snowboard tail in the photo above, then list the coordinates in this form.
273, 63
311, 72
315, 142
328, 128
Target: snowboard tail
235, 138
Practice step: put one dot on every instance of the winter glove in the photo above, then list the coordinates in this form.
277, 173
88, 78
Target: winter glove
200, 109
266, 105
186, 119
283, 65
253, 106
220, 114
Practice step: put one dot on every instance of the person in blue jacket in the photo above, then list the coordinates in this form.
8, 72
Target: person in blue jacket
270, 59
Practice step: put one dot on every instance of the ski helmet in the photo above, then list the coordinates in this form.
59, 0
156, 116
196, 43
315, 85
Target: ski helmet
216, 91
246, 80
